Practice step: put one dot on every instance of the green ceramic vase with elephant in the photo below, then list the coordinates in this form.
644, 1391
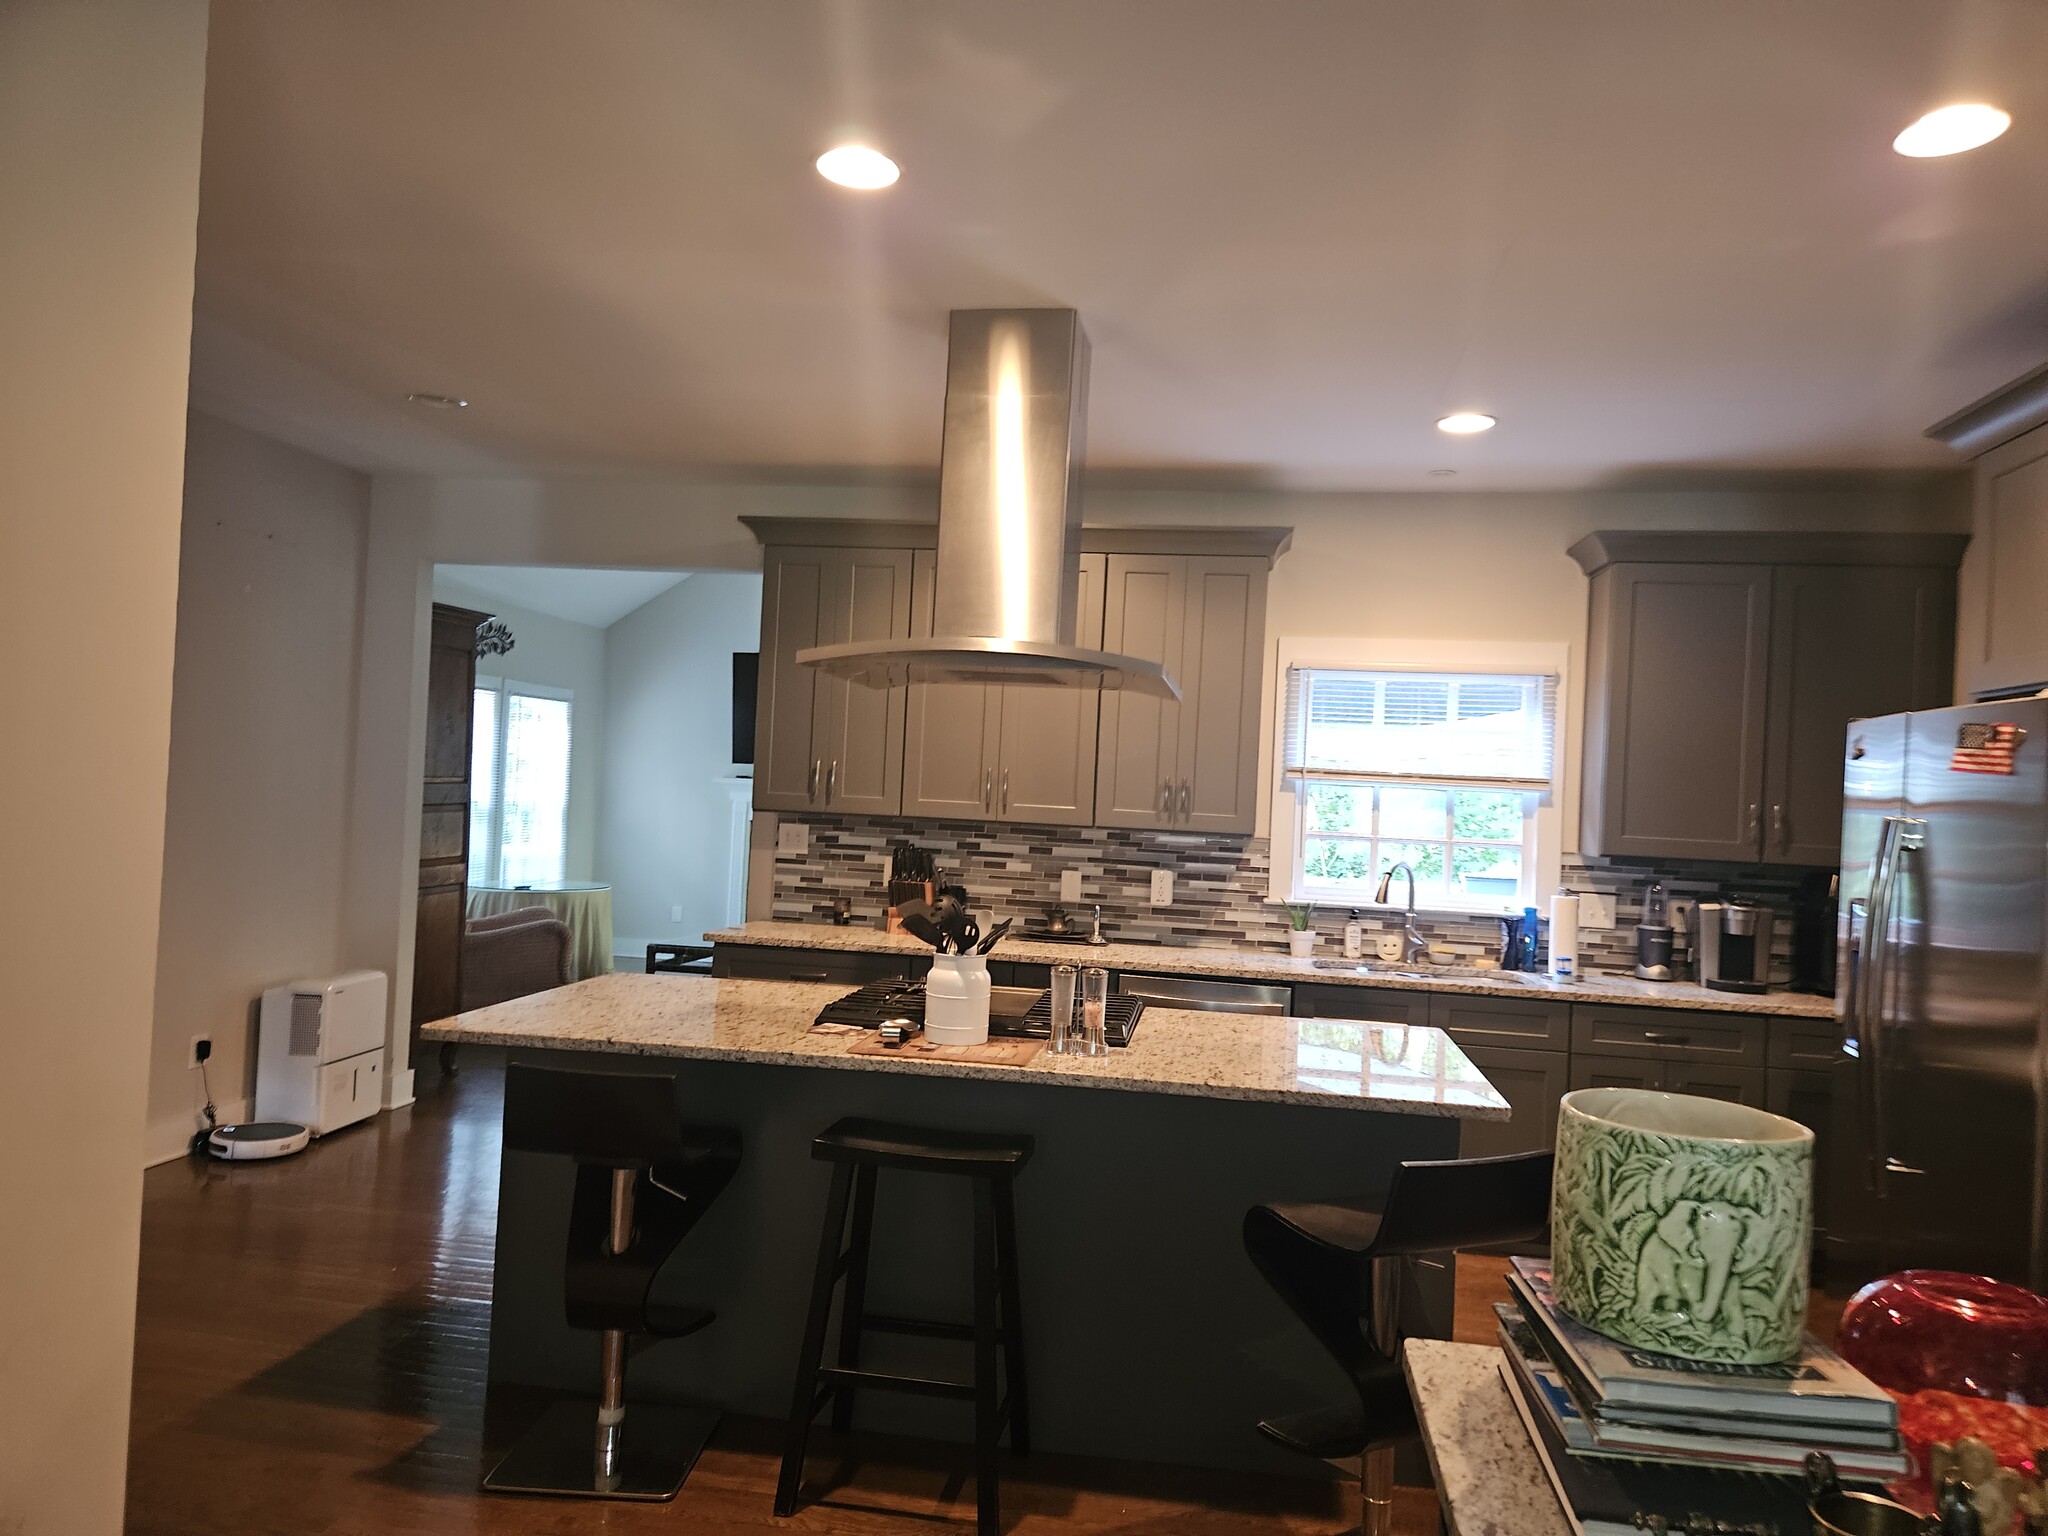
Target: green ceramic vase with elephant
1683, 1225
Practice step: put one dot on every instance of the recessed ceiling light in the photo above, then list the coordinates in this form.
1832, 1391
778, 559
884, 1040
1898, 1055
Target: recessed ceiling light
1464, 423
1951, 130
438, 402
857, 166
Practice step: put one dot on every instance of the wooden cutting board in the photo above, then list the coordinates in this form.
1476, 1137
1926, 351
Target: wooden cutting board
1002, 1053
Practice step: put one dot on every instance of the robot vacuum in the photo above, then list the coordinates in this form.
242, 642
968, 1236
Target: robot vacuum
258, 1139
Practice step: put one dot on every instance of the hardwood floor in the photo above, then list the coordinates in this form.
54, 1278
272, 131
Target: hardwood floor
310, 1351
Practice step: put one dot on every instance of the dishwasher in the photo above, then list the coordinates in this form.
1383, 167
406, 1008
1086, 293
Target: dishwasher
1206, 996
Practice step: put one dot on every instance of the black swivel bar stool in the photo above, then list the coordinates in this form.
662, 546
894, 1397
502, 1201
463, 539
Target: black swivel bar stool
644, 1177
1338, 1267
858, 1149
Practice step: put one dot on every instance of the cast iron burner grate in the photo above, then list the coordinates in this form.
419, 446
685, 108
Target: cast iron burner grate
1009, 1013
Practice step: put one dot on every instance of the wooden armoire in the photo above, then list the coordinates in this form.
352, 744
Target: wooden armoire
444, 817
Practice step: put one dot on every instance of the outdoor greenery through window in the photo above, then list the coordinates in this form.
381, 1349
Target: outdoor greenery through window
1442, 772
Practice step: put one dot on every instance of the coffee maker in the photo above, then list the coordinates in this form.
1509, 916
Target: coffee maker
1732, 940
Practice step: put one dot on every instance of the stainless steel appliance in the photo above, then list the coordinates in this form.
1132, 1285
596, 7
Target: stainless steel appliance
1732, 940
1654, 937
1936, 1148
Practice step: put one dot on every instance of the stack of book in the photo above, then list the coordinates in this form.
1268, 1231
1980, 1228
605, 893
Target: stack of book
1633, 1439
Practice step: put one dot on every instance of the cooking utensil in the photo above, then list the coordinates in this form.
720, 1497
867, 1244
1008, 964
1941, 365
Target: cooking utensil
994, 934
920, 926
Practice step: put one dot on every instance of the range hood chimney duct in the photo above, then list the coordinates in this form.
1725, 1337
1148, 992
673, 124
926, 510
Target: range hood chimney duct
1007, 579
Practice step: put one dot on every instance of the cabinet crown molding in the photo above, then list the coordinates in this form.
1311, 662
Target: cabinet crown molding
1998, 418
1597, 551
1263, 543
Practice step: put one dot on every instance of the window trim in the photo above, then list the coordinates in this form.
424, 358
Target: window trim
1542, 830
505, 687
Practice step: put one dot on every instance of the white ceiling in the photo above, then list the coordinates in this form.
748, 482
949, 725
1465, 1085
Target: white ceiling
1651, 237
597, 598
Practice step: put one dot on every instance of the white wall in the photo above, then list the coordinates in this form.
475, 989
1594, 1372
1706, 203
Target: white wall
100, 110
262, 739
558, 653
667, 816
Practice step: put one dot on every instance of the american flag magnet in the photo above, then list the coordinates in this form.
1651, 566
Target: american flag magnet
1982, 747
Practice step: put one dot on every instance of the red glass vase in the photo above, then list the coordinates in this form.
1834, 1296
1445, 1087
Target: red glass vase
1935, 1329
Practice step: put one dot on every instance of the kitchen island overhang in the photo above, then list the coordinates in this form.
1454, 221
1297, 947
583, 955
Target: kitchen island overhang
1149, 1334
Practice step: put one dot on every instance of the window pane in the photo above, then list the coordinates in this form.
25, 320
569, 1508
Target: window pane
1484, 814
483, 789
1331, 861
534, 841
1339, 808
1427, 860
1406, 811
1487, 874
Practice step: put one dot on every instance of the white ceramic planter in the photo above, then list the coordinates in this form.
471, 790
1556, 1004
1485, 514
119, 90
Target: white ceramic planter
1301, 942
1683, 1225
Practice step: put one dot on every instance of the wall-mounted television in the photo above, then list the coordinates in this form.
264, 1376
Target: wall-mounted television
746, 680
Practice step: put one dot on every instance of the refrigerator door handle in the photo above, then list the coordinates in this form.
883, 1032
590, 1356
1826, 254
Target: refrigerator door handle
1906, 834
1867, 1017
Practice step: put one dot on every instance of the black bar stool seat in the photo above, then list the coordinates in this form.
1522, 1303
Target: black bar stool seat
644, 1177
859, 1149
1337, 1265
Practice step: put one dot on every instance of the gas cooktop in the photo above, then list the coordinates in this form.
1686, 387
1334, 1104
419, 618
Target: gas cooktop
1018, 1012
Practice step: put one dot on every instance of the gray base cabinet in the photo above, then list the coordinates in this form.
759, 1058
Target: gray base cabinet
1724, 670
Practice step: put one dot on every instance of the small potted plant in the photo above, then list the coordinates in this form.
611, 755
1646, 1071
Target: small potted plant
1301, 938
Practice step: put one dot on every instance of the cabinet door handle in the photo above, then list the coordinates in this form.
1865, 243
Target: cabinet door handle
1662, 1037
811, 789
1166, 798
831, 779
1183, 799
1006, 791
1755, 821
1778, 834
988, 789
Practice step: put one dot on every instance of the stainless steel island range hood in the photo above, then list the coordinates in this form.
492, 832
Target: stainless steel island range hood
1006, 583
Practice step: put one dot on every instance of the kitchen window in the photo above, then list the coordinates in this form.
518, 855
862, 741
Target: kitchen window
1451, 772
519, 783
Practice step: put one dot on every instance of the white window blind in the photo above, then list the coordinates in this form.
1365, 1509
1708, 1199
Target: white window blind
1481, 729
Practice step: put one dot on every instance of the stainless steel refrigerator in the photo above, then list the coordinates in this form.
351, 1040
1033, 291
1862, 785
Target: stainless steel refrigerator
1936, 1150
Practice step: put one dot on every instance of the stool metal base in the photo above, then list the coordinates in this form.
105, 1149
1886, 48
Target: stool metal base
568, 1455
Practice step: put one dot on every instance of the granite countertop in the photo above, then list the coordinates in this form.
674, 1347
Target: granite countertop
1264, 965
1334, 1063
1488, 1477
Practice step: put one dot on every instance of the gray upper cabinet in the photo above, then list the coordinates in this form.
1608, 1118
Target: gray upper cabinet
1018, 752
1724, 670
2004, 633
1191, 765
822, 743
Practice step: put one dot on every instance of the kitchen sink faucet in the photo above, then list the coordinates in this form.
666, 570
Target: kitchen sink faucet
1414, 947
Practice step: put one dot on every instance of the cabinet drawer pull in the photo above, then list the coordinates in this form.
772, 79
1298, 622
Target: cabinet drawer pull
1663, 1037
810, 975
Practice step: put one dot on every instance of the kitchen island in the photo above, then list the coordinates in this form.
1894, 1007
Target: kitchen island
1149, 1334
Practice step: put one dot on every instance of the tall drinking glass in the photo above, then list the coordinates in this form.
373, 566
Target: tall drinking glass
1063, 1038
1094, 1001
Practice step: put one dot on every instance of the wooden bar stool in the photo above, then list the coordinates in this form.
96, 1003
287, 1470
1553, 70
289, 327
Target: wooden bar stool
1338, 1267
858, 1150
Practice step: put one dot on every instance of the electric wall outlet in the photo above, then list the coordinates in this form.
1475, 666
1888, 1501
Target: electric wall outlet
202, 1049
1596, 909
792, 837
675, 914
1681, 916
1162, 887
1070, 887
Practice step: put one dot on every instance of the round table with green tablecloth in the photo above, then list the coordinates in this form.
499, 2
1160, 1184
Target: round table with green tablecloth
586, 907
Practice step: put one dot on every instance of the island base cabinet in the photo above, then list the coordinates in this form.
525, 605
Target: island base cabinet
1532, 1082
1706, 1080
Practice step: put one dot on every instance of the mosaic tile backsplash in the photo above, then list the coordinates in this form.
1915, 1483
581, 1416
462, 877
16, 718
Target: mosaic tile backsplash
1219, 890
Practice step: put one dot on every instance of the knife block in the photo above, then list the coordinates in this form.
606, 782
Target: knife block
901, 891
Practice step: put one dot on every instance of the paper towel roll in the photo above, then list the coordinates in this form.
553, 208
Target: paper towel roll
1564, 934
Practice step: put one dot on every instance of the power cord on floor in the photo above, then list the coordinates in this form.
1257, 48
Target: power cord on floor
201, 1049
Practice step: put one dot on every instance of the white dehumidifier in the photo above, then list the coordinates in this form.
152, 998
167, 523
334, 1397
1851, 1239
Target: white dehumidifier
320, 1052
